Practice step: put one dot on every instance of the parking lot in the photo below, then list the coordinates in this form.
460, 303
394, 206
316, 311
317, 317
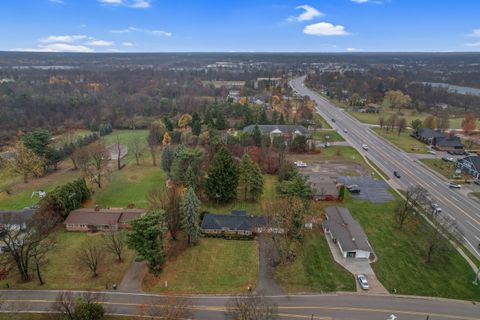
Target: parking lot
375, 191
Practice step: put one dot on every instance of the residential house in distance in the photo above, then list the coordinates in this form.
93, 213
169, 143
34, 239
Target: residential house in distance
471, 166
346, 233
438, 140
15, 219
285, 130
324, 187
96, 219
236, 224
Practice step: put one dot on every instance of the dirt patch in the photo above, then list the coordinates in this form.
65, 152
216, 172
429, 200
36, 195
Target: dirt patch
336, 168
133, 178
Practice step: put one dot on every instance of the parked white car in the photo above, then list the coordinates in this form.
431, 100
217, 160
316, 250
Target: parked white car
362, 280
300, 164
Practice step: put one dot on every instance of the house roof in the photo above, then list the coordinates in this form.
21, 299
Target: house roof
16, 216
473, 160
429, 133
322, 185
279, 128
89, 216
346, 229
448, 142
238, 220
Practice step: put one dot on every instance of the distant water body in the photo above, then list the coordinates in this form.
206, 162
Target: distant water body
455, 89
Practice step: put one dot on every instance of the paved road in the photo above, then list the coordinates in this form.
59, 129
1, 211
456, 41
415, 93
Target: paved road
389, 158
328, 306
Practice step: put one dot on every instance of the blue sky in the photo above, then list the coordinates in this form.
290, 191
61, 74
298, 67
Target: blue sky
239, 25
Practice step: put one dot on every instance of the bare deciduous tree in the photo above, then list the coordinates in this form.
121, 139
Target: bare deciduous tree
90, 256
136, 146
115, 243
405, 208
95, 167
74, 306
251, 306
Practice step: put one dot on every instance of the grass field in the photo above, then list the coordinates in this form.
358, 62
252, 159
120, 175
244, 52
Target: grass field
43, 316
252, 207
64, 272
445, 168
403, 141
318, 118
314, 269
130, 185
401, 264
332, 135
212, 266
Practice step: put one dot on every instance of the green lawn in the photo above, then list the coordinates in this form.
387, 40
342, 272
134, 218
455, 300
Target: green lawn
314, 269
126, 137
130, 185
332, 135
403, 141
401, 265
445, 168
213, 266
372, 118
318, 118
64, 272
252, 207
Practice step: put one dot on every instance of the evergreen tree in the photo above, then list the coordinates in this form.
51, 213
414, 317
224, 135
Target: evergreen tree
222, 178
168, 124
263, 117
250, 178
185, 157
220, 122
244, 172
275, 117
190, 207
282, 119
146, 238
257, 136
196, 124
256, 182
167, 158
247, 116
208, 120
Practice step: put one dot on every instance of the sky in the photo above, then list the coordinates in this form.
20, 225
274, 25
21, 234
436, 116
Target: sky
239, 25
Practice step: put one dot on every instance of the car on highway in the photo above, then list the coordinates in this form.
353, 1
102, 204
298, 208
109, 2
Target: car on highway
345, 130
454, 185
333, 120
362, 280
365, 147
436, 208
396, 174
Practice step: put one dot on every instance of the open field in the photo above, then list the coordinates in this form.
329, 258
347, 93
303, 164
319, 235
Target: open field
445, 168
403, 141
333, 136
252, 207
212, 266
400, 254
43, 316
63, 270
314, 269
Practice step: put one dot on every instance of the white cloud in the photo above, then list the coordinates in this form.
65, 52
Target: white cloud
325, 29
474, 33
127, 44
64, 38
473, 45
160, 33
57, 47
137, 4
100, 43
353, 50
308, 14
57, 1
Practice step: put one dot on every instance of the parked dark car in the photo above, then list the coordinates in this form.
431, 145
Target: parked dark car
353, 188
396, 174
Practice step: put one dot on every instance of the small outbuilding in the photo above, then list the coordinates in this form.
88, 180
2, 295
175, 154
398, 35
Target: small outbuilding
346, 233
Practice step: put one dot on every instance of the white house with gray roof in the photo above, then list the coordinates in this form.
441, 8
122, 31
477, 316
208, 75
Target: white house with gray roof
346, 233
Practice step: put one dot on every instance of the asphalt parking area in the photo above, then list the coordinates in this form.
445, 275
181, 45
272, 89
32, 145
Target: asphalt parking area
375, 191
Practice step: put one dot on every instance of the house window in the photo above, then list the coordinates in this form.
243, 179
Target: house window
83, 226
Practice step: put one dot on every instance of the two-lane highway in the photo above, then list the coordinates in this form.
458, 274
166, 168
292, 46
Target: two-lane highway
389, 158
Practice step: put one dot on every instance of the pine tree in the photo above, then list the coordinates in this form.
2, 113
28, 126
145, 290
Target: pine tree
196, 124
208, 120
250, 178
190, 207
167, 158
282, 119
222, 178
257, 136
244, 171
256, 182
220, 122
263, 117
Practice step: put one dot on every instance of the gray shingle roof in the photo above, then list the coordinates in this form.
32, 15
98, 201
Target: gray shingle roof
285, 128
429, 133
474, 160
16, 216
348, 232
449, 142
239, 221
102, 217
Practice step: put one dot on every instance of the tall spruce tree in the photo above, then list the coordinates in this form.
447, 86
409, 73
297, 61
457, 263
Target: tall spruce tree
196, 124
250, 178
190, 207
256, 182
167, 158
257, 136
222, 178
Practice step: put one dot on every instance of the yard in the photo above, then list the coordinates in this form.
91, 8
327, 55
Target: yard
400, 262
64, 272
445, 168
403, 141
314, 269
333, 136
213, 266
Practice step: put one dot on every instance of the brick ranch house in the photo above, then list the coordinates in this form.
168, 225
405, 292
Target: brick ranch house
96, 219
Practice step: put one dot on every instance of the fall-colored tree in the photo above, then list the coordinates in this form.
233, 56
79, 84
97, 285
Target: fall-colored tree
443, 121
26, 162
166, 139
397, 99
469, 123
184, 120
243, 101
401, 125
429, 122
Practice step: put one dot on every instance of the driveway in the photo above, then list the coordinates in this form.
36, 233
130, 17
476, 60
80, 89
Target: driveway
266, 284
133, 278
